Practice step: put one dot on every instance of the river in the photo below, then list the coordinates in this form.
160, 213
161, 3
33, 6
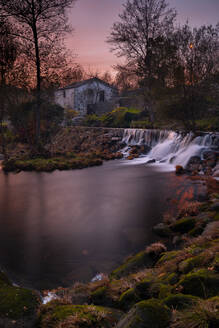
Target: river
62, 227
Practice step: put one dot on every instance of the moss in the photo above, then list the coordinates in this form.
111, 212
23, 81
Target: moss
167, 256
134, 263
203, 283
197, 231
49, 165
17, 302
190, 263
85, 316
183, 225
100, 297
147, 314
143, 288
99, 293
180, 301
163, 290
128, 299
171, 278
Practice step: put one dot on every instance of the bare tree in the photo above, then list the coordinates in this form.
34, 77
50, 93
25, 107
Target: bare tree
142, 37
8, 54
40, 25
194, 84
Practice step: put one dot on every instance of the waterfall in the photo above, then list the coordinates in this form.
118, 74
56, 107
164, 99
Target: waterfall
169, 147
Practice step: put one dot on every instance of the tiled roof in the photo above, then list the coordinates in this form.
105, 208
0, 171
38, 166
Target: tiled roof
78, 84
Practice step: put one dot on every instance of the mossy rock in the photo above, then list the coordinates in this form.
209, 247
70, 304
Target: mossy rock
83, 316
128, 299
146, 314
189, 264
101, 297
161, 290
17, 302
98, 296
183, 225
180, 301
167, 256
203, 283
171, 278
197, 231
143, 288
134, 263
162, 230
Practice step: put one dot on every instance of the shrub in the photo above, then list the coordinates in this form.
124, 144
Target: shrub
155, 249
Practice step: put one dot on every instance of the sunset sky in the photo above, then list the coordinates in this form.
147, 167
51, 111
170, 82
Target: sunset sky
93, 19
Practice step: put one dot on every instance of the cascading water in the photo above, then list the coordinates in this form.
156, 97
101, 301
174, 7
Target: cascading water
169, 147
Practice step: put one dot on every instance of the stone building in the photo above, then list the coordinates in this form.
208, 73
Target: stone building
86, 97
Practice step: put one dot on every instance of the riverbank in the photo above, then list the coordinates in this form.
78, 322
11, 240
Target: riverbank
71, 148
171, 283
80, 147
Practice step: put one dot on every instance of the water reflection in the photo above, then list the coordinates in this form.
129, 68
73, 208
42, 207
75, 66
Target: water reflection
66, 226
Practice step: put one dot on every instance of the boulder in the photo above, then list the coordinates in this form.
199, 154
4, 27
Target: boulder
194, 164
162, 230
179, 170
151, 161
147, 314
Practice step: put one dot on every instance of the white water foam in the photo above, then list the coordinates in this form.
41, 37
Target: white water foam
168, 148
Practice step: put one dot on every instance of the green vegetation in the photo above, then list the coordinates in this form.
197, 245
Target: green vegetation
183, 225
15, 302
82, 316
51, 164
147, 314
134, 263
121, 117
180, 301
202, 283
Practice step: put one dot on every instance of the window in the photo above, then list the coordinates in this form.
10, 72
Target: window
102, 96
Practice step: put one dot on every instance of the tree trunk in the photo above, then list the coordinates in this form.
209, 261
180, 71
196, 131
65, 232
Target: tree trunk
38, 89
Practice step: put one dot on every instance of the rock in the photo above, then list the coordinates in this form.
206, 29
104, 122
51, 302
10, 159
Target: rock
147, 314
194, 164
183, 225
128, 299
202, 283
162, 230
151, 161
139, 261
17, 304
209, 155
180, 301
179, 170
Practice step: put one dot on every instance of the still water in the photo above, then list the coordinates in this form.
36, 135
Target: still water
61, 227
